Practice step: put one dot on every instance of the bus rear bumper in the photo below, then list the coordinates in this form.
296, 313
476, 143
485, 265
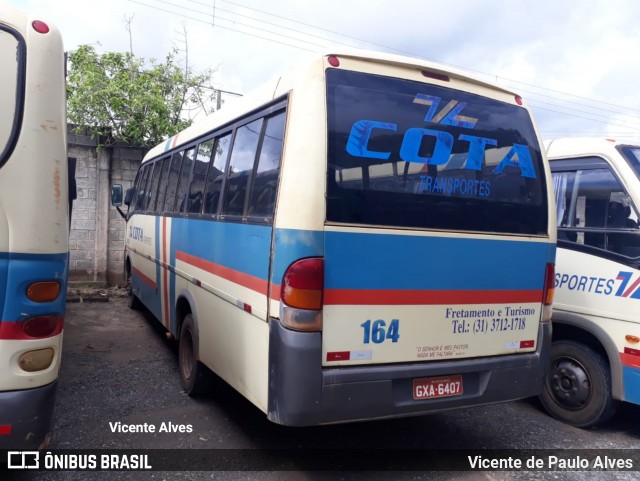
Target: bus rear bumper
303, 393
26, 417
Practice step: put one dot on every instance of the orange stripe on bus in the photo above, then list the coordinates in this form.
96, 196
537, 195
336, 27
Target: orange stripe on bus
428, 297
147, 280
245, 280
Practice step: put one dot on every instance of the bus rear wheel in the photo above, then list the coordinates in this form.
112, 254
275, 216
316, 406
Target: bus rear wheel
192, 372
578, 386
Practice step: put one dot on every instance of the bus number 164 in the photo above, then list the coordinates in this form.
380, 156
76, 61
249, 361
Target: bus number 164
378, 331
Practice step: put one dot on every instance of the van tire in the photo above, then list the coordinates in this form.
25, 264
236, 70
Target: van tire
192, 372
578, 385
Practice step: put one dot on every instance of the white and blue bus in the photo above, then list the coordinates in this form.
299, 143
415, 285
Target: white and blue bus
368, 236
595, 355
34, 226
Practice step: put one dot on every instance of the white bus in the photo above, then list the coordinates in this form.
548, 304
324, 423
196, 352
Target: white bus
595, 360
34, 226
368, 236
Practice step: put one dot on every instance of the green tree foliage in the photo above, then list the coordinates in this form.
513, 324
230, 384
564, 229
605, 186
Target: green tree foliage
121, 97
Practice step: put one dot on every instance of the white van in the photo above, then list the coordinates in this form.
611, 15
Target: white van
595, 355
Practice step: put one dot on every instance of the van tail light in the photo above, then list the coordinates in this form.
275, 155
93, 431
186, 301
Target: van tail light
548, 292
301, 294
36, 360
39, 26
33, 328
45, 291
42, 326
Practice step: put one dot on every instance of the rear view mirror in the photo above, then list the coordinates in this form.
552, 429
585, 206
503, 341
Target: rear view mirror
116, 195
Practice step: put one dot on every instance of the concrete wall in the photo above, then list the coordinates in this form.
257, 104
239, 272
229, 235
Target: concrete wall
97, 230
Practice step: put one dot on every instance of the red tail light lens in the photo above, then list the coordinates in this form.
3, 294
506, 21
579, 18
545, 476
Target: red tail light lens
303, 284
547, 293
549, 285
43, 326
40, 27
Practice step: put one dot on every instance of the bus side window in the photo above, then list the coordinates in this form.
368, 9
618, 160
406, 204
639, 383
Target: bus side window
141, 199
162, 185
183, 180
243, 155
265, 181
172, 182
153, 185
216, 174
196, 189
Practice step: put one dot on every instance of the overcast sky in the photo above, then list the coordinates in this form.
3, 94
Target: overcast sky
575, 62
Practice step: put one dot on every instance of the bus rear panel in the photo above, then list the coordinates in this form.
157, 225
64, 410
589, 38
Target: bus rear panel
436, 250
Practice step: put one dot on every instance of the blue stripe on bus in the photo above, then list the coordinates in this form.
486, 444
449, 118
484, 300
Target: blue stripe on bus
379, 261
4, 268
631, 382
148, 294
18, 271
369, 261
241, 247
294, 244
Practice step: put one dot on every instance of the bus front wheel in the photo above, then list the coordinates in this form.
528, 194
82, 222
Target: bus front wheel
192, 372
578, 385
132, 300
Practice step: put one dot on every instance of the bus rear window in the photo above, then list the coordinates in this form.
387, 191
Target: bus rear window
12, 58
409, 154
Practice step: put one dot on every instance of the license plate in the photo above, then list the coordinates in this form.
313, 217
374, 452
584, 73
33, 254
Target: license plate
435, 387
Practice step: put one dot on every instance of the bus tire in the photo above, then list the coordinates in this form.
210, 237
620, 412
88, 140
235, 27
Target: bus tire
578, 386
192, 372
133, 301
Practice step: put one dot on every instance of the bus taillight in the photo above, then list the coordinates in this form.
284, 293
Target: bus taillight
303, 284
37, 360
46, 291
43, 326
549, 289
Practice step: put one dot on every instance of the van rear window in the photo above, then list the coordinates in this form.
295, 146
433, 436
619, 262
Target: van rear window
409, 154
12, 76
632, 155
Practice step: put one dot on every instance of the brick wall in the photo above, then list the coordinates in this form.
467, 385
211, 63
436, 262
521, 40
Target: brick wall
97, 230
